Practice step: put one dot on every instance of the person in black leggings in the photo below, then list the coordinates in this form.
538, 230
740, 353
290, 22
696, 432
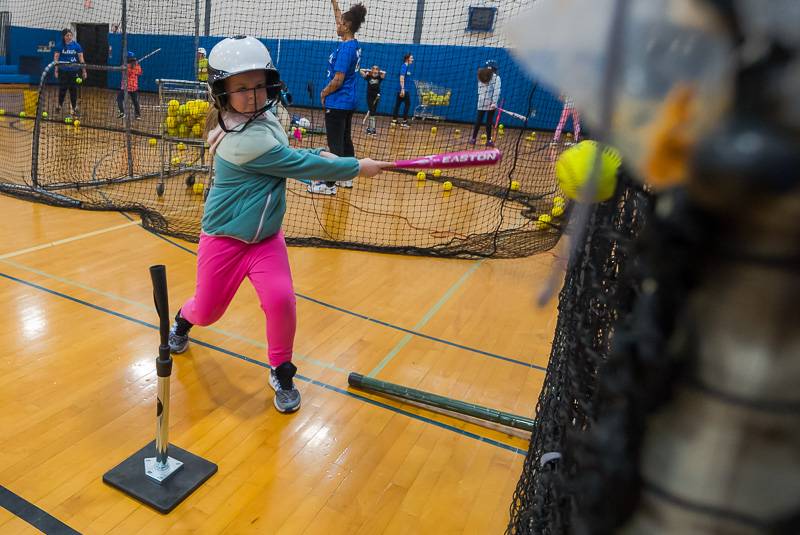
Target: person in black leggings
67, 75
403, 95
374, 78
339, 96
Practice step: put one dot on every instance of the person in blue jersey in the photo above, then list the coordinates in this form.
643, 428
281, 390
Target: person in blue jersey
241, 236
403, 95
338, 98
68, 75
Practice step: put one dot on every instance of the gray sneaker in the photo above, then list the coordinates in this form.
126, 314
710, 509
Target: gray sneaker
287, 397
177, 343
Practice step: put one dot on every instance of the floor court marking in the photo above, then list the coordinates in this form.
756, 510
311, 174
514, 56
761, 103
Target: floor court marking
38, 518
67, 240
377, 321
303, 378
425, 319
149, 309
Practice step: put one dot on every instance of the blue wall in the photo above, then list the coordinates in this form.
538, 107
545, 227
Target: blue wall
301, 61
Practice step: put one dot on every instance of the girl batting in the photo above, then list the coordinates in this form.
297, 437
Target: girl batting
241, 227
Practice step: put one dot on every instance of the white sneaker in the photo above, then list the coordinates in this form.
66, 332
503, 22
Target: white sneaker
345, 183
321, 188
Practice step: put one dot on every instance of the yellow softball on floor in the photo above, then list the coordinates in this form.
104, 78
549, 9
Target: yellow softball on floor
447, 186
542, 222
437, 172
76, 123
514, 185
421, 175
198, 187
176, 161
574, 169
557, 211
152, 141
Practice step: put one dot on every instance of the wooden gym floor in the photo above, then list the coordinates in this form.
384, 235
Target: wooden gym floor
77, 385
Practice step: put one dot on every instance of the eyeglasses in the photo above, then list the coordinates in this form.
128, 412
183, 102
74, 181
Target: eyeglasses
258, 90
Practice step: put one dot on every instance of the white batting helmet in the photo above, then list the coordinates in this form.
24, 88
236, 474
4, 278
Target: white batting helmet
236, 55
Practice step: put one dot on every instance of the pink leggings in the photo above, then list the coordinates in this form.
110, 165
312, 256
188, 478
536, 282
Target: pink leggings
222, 265
576, 122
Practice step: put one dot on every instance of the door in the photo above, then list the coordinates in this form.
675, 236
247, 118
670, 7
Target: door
93, 38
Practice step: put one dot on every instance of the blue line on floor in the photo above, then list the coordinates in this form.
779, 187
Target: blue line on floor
265, 365
377, 321
38, 518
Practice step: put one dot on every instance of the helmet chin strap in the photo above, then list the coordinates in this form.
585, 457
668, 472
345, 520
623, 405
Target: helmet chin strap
255, 115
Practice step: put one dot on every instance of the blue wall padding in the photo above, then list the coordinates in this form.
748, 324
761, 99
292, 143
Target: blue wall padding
301, 61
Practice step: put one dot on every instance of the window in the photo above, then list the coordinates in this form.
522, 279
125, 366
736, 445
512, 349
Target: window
481, 19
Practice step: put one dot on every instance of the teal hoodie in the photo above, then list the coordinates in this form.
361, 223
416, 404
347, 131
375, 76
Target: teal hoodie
248, 198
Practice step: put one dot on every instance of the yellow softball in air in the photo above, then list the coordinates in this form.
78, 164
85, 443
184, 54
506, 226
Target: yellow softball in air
574, 168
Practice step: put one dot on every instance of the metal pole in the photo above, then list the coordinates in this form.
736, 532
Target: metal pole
162, 417
128, 140
162, 466
357, 380
207, 23
418, 21
196, 37
163, 135
197, 63
5, 22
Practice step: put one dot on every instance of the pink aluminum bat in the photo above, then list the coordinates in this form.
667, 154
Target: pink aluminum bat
447, 160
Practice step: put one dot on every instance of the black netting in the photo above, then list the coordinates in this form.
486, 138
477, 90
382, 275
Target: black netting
157, 164
594, 296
